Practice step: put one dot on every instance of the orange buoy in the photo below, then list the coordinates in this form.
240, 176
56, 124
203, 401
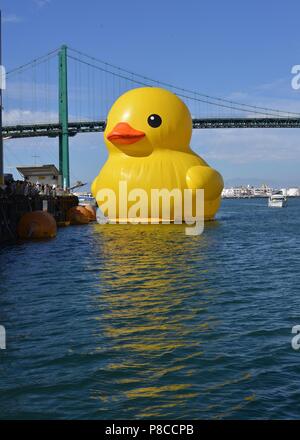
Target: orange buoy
92, 212
78, 215
37, 224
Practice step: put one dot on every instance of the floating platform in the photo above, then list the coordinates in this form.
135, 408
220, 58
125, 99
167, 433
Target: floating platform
12, 207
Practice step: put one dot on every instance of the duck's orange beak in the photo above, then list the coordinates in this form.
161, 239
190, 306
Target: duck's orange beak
124, 134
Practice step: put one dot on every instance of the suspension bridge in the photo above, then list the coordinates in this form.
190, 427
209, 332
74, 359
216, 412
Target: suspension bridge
67, 92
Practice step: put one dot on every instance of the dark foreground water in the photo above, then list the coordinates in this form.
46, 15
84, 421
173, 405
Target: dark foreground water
110, 321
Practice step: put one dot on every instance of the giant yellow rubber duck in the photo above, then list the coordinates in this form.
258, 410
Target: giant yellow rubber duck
148, 136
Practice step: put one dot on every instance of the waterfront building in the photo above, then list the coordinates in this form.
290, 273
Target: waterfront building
263, 191
44, 174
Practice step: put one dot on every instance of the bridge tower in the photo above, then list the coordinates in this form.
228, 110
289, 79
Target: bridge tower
64, 166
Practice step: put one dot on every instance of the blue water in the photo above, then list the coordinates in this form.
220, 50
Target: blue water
123, 321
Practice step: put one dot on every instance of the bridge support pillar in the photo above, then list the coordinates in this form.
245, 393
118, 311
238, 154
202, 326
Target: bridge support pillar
64, 166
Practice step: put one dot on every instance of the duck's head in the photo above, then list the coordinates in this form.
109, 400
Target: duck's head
147, 119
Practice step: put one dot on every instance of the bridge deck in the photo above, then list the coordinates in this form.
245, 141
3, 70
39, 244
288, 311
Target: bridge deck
54, 130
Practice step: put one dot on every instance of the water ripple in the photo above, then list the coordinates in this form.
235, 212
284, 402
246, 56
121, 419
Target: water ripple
145, 322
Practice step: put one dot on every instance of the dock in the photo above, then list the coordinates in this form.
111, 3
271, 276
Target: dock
12, 207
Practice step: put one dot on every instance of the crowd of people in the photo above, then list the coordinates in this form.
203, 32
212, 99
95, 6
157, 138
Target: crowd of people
26, 188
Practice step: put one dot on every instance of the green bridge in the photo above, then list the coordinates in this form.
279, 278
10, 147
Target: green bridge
252, 116
54, 130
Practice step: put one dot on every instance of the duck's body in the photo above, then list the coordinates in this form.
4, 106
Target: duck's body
154, 164
162, 169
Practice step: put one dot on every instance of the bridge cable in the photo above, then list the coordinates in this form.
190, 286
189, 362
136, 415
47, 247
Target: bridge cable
145, 78
179, 94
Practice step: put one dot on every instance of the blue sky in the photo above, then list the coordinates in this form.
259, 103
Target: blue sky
237, 50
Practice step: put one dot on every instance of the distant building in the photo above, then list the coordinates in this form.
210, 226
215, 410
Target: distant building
293, 192
264, 191
44, 174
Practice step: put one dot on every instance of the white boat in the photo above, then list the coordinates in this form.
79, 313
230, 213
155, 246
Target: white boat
86, 199
277, 201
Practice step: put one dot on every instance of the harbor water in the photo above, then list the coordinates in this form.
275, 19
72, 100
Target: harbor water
127, 322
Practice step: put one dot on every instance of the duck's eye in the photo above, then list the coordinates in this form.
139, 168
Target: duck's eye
154, 121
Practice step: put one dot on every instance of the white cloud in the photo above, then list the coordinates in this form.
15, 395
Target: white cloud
11, 18
242, 146
277, 94
272, 85
18, 116
29, 91
41, 3
83, 166
254, 146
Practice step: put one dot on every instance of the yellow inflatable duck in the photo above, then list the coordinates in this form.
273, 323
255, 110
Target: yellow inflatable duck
148, 134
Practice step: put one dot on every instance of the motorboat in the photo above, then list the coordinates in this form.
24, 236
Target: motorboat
277, 201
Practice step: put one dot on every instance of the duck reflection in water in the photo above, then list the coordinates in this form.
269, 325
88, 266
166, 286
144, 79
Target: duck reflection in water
153, 299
